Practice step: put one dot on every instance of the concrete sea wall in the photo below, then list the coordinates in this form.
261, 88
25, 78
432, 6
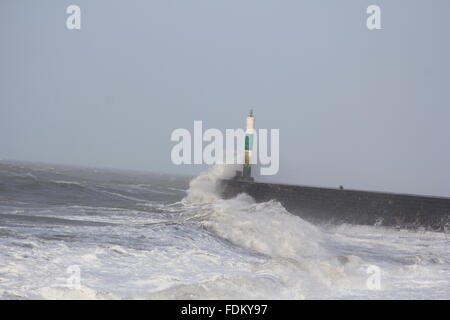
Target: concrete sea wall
323, 205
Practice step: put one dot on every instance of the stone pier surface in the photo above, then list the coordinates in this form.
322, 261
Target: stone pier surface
337, 206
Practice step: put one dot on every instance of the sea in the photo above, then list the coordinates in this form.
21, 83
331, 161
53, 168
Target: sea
86, 233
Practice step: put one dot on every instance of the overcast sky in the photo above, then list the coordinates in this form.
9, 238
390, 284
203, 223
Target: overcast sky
359, 108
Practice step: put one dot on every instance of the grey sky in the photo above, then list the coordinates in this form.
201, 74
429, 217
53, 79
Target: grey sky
359, 108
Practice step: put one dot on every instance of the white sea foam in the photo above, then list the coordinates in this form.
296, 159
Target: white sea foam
205, 247
320, 262
203, 189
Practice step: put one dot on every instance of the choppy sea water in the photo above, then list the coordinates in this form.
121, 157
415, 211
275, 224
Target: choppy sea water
81, 233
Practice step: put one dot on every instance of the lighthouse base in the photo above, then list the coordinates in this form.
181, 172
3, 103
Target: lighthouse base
241, 176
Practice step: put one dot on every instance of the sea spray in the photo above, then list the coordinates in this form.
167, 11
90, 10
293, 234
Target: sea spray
295, 250
156, 245
264, 227
204, 188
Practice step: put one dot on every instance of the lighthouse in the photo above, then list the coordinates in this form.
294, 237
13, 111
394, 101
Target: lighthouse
246, 173
247, 169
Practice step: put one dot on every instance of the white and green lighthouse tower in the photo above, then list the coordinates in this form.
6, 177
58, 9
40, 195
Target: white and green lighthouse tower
247, 169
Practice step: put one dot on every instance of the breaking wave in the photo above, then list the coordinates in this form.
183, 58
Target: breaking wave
297, 262
183, 241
